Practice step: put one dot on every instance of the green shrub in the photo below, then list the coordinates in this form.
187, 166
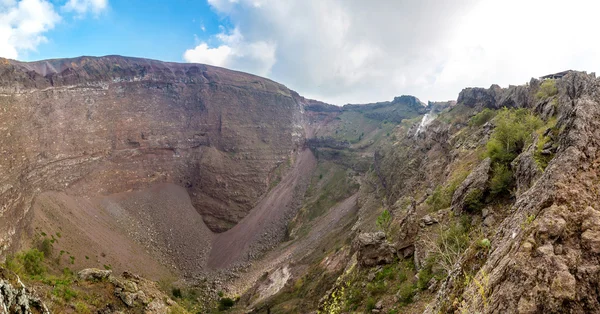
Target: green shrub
442, 195
406, 292
225, 304
64, 292
547, 89
425, 275
33, 262
370, 305
502, 179
512, 132
474, 200
387, 272
176, 292
482, 117
542, 160
384, 220
485, 244
46, 247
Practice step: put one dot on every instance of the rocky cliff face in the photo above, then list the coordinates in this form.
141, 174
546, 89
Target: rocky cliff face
548, 264
473, 232
92, 126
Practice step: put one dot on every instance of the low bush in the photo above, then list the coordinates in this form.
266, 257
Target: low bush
406, 292
425, 275
176, 292
512, 132
547, 89
64, 292
474, 200
442, 195
225, 304
445, 252
370, 305
384, 220
32, 262
482, 117
45, 246
502, 180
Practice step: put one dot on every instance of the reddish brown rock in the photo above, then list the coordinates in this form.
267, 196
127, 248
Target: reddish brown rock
95, 126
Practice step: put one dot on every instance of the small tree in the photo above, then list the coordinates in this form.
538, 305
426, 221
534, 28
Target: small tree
384, 220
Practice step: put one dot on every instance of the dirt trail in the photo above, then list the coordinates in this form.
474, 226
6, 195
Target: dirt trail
266, 224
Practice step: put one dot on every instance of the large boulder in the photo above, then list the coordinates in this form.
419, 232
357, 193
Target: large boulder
93, 274
16, 298
476, 181
373, 249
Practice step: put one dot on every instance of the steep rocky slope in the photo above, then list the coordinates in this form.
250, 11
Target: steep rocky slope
232, 190
467, 225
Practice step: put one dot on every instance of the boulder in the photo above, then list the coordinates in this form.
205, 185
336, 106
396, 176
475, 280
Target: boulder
476, 180
93, 274
16, 298
427, 220
373, 249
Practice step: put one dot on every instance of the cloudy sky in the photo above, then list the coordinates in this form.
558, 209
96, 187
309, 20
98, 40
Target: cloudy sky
339, 51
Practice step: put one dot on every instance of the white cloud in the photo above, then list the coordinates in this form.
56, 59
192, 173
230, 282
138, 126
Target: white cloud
81, 7
235, 53
213, 56
22, 25
358, 51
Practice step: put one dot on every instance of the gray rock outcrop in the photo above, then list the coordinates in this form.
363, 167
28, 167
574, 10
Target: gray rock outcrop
373, 249
476, 180
16, 298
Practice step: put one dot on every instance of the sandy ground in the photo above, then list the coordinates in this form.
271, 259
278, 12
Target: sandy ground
90, 235
163, 220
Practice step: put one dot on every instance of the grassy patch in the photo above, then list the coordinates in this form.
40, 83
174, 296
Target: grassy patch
442, 195
458, 114
445, 251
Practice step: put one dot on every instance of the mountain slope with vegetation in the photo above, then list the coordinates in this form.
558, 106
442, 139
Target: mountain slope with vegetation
232, 193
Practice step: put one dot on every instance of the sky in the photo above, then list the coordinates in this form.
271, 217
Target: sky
337, 51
